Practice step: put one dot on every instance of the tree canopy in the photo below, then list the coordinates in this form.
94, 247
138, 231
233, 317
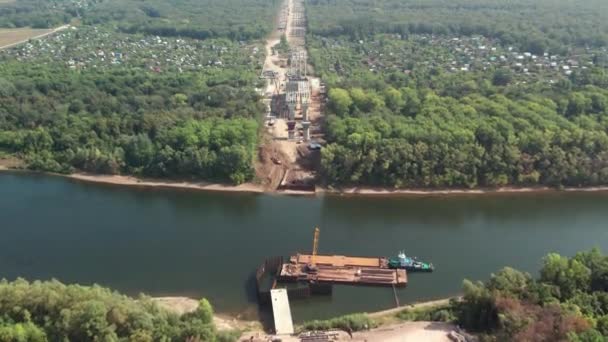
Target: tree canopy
460, 94
149, 88
123, 121
568, 302
532, 26
51, 311
201, 19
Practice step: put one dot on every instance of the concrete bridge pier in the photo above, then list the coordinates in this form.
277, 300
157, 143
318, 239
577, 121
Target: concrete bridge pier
306, 130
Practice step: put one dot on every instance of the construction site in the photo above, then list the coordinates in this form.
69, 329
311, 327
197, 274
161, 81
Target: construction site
289, 156
304, 275
291, 151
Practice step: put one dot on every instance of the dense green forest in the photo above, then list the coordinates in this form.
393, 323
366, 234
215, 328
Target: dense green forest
127, 90
201, 19
417, 138
531, 25
42, 13
568, 302
156, 124
461, 108
52, 311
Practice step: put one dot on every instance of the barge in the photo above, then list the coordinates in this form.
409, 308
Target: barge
338, 269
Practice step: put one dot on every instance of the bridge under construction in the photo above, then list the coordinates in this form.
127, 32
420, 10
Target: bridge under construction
316, 274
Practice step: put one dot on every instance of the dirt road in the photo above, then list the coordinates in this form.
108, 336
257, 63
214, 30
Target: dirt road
293, 157
272, 62
277, 154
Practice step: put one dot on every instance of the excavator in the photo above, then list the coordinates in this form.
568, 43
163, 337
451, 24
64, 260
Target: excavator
315, 248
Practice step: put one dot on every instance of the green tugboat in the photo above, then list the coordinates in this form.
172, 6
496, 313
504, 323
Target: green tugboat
409, 264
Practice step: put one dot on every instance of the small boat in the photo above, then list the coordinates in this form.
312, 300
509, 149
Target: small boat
409, 264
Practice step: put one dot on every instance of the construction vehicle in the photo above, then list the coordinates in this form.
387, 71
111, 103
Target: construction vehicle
315, 249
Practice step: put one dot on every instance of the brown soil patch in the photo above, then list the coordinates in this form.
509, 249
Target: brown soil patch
12, 36
10, 162
271, 165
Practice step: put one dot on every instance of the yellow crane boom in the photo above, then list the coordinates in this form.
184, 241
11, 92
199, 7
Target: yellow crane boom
315, 246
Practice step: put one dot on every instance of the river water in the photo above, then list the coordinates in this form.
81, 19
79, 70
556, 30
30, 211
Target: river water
183, 243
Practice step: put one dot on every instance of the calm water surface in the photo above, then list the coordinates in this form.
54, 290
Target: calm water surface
168, 242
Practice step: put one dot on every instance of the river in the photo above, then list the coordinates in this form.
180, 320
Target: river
185, 243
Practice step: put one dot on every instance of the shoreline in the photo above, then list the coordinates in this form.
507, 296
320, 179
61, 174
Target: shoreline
389, 326
412, 306
157, 183
387, 192
223, 322
132, 181
183, 305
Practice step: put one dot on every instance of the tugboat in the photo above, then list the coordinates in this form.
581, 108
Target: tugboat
409, 264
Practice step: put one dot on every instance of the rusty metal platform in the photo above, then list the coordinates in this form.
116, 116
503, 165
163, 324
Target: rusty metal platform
339, 269
340, 260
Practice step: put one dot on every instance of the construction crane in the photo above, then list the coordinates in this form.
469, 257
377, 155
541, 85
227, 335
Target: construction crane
315, 248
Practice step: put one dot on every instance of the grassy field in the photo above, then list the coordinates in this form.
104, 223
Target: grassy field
11, 36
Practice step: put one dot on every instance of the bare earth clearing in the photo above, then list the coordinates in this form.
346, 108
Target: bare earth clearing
289, 160
183, 305
276, 155
12, 37
404, 331
407, 331
8, 162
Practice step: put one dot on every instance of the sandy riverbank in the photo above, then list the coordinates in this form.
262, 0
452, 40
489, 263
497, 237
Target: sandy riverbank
121, 180
183, 305
131, 181
142, 182
390, 330
365, 191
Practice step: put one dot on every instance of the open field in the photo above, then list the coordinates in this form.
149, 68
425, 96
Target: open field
9, 37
